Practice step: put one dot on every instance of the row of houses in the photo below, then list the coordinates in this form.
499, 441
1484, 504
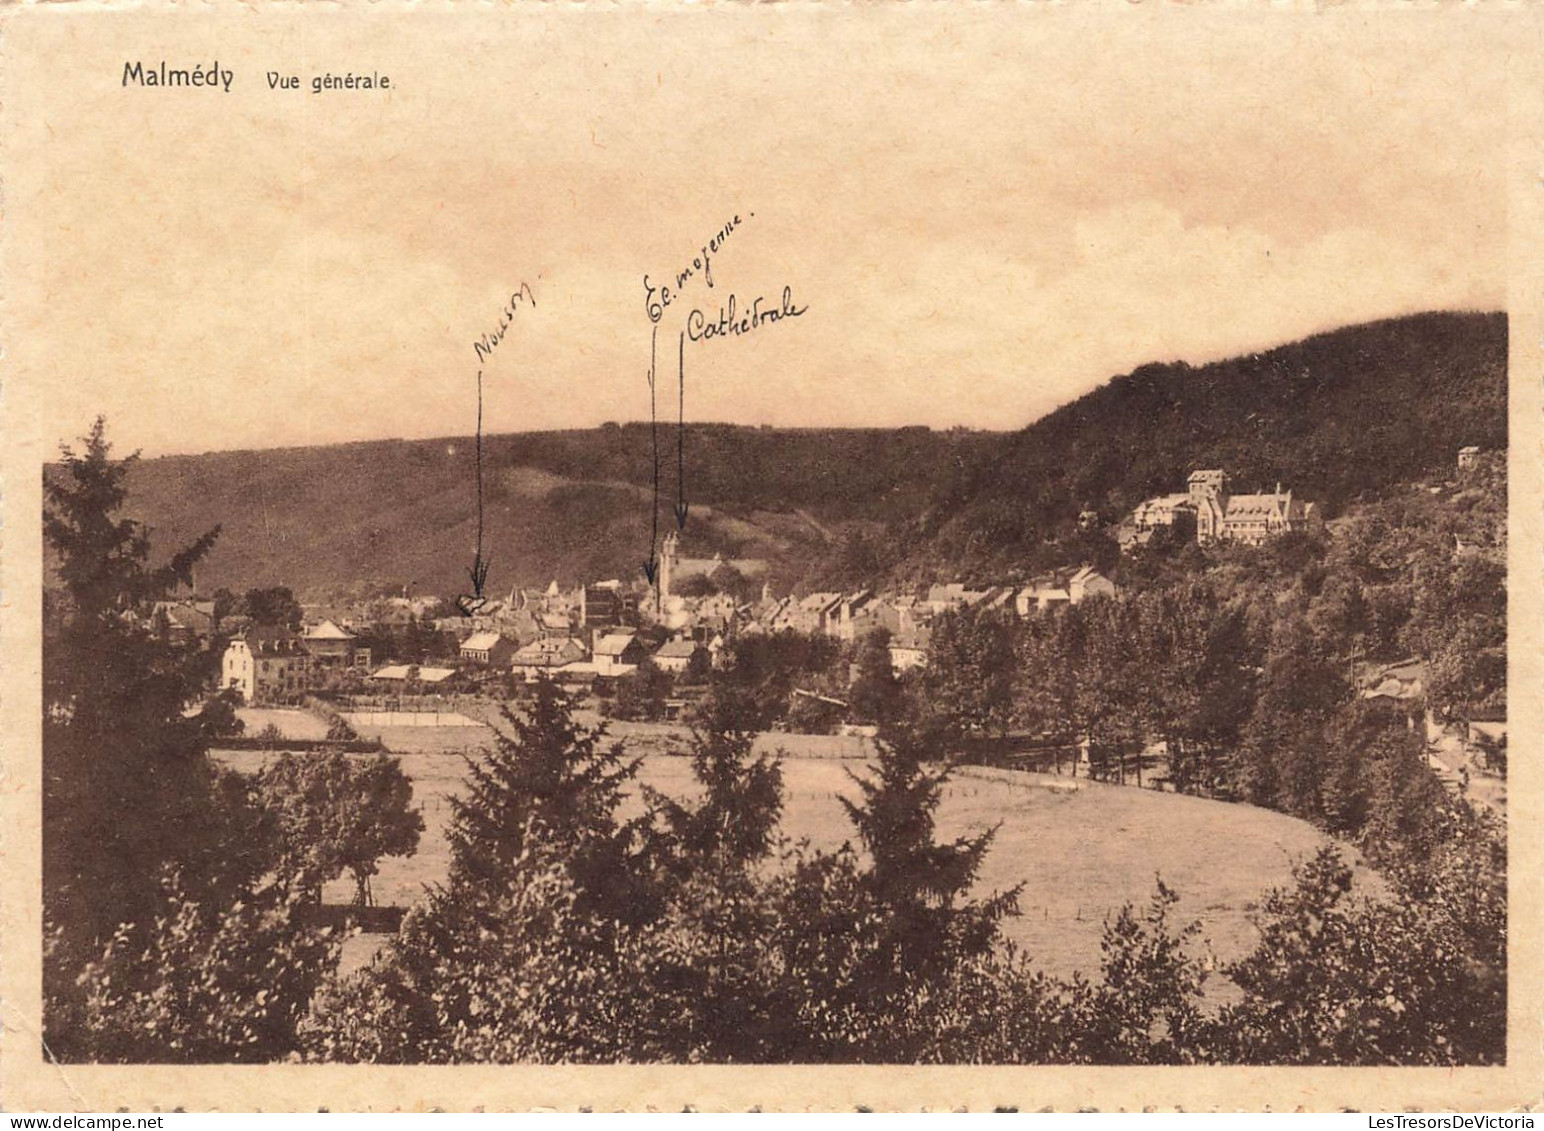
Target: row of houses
908, 618
611, 655
271, 663
592, 631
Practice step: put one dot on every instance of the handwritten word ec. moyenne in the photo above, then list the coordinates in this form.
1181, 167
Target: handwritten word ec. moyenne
655, 299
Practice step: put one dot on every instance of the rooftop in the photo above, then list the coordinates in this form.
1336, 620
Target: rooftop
614, 645
679, 649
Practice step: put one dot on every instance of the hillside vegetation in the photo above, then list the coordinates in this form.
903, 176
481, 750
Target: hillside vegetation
1338, 416
567, 505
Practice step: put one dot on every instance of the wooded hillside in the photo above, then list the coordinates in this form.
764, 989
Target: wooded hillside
1337, 416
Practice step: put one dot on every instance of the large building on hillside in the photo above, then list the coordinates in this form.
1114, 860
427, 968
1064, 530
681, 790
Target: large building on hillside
1221, 515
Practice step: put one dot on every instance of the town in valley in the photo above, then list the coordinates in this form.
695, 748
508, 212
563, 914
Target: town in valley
879, 761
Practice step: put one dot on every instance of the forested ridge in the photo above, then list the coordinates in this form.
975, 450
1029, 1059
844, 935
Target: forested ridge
1336, 417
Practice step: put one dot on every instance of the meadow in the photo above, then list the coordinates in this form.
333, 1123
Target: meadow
1081, 849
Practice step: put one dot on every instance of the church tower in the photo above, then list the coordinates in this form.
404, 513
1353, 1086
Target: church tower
667, 565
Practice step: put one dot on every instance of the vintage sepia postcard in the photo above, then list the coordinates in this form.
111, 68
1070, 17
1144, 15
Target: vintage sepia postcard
809, 556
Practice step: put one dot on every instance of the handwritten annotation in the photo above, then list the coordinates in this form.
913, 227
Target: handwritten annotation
485, 345
734, 322
656, 299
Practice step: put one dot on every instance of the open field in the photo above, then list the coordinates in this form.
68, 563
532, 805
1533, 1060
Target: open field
293, 722
367, 722
674, 738
1081, 849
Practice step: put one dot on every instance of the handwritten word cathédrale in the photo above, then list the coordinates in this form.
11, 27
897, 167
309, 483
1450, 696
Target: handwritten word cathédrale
734, 321
485, 345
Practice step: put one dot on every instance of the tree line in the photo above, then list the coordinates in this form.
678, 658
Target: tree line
1241, 673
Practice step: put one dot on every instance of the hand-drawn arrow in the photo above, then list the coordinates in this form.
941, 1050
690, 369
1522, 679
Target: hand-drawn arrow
681, 506
471, 604
651, 566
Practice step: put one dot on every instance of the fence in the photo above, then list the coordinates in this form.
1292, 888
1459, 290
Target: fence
257, 742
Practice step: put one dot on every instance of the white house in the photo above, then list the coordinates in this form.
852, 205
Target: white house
266, 664
677, 655
489, 649
618, 654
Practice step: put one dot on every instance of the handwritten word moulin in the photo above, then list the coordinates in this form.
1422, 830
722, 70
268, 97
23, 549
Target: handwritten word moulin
485, 345
161, 75
733, 321
655, 299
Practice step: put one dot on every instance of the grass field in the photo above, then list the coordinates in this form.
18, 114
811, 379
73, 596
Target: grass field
1081, 849
291, 721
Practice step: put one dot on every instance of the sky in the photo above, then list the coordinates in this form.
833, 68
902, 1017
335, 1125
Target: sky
983, 211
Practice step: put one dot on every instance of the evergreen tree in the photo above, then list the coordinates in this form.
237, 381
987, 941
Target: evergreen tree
919, 884
148, 846
558, 783
735, 823
126, 789
530, 951
714, 988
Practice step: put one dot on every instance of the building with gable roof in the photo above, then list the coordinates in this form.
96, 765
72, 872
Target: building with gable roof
186, 621
1222, 515
489, 649
618, 654
677, 655
545, 656
267, 663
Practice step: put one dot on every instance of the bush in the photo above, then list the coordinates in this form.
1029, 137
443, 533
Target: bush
204, 985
